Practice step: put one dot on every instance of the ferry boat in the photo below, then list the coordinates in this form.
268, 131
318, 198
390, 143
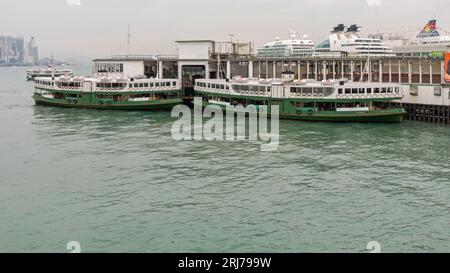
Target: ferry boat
47, 72
308, 100
120, 93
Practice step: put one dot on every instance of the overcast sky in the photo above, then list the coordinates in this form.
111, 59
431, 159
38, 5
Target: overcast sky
96, 27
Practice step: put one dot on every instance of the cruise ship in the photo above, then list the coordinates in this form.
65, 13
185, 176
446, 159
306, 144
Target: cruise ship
429, 42
348, 42
342, 42
287, 48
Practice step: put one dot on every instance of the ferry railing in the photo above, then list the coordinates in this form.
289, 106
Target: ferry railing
145, 57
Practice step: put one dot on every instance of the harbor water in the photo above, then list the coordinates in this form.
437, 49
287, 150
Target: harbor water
116, 181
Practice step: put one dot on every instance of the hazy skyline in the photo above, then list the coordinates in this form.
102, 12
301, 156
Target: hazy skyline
95, 28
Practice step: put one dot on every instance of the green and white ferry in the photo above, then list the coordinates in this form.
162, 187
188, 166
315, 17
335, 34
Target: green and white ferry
47, 72
309, 100
107, 92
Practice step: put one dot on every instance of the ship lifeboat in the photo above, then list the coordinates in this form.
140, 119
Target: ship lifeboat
122, 79
240, 79
105, 79
78, 79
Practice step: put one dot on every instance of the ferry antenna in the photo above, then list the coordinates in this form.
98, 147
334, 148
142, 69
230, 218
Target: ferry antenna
129, 40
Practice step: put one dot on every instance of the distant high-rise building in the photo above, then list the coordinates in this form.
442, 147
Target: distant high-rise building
32, 52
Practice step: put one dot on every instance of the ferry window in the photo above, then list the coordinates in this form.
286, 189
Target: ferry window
213, 86
236, 87
209, 85
414, 90
354, 90
130, 85
262, 89
307, 90
361, 91
151, 84
245, 88
369, 90
377, 90
340, 91
141, 85
347, 91
397, 89
222, 86
383, 90
146, 84
328, 91
269, 88
227, 87
157, 84
437, 91
390, 90
254, 88
136, 85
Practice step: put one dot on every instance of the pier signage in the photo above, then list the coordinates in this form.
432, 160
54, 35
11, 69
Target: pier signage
447, 67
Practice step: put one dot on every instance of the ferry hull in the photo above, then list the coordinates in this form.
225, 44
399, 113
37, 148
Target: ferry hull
136, 106
395, 115
359, 117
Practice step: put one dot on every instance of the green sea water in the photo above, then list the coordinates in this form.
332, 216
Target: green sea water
116, 181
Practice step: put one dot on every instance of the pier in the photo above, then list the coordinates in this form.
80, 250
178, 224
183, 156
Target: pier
425, 93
